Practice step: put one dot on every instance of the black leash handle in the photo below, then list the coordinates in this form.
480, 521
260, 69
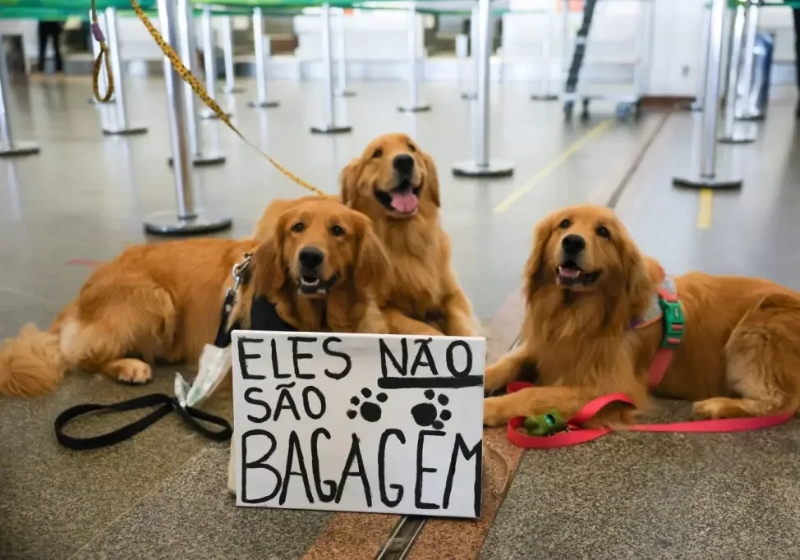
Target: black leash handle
191, 416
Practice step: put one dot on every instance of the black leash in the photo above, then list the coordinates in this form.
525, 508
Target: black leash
263, 316
191, 416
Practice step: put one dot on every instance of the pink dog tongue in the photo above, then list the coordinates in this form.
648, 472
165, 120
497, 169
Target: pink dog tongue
405, 202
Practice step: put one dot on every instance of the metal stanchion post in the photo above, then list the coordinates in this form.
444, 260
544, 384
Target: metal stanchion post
546, 94
120, 109
731, 136
474, 24
743, 109
483, 165
8, 147
708, 177
565, 44
330, 126
103, 78
702, 66
188, 218
414, 104
261, 47
462, 56
188, 52
227, 50
341, 55
209, 62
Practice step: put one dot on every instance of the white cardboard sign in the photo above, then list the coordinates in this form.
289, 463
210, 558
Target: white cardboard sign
367, 423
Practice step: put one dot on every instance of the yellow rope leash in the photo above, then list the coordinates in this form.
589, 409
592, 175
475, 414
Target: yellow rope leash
102, 58
190, 79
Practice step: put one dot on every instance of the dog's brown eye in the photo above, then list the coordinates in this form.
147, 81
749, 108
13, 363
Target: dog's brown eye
377, 153
564, 224
602, 231
337, 231
411, 147
298, 227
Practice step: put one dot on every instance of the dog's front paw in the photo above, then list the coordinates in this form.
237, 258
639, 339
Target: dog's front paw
493, 413
493, 380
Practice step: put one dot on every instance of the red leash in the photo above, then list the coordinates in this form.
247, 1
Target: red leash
576, 434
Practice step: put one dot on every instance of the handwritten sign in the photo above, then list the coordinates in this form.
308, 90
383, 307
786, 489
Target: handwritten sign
368, 423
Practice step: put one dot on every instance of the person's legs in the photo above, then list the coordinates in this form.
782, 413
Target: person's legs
57, 46
42, 44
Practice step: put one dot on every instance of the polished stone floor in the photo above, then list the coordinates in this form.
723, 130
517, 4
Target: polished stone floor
162, 496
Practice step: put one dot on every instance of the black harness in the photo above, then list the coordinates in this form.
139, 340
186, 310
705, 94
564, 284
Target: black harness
263, 317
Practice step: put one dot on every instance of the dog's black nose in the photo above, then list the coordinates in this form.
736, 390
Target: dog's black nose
573, 244
311, 257
403, 163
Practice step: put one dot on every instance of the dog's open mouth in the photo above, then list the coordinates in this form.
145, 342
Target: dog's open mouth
570, 274
311, 284
403, 199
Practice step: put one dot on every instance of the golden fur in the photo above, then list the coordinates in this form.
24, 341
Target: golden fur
422, 295
163, 301
266, 224
740, 355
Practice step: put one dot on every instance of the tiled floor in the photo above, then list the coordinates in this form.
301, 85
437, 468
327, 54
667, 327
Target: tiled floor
163, 496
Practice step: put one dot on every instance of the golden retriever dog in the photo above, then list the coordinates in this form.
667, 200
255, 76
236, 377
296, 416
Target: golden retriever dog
586, 282
163, 301
395, 183
320, 266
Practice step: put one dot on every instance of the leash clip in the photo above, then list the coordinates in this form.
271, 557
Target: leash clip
239, 271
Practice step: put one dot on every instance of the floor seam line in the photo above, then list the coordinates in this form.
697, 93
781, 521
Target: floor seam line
104, 531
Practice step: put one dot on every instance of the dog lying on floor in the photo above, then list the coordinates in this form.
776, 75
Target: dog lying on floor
587, 285
163, 301
395, 183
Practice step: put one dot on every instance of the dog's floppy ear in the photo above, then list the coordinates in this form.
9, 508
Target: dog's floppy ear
534, 268
372, 263
432, 178
348, 182
641, 275
269, 266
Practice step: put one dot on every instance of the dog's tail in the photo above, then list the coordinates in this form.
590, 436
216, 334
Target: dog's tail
31, 364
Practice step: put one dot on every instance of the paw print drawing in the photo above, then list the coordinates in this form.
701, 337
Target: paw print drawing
426, 414
370, 411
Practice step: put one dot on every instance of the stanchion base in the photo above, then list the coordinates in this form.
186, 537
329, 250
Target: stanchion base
233, 90
548, 97
205, 160
168, 223
131, 130
19, 149
495, 168
413, 108
737, 138
209, 114
331, 129
699, 182
262, 104
346, 93
751, 117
